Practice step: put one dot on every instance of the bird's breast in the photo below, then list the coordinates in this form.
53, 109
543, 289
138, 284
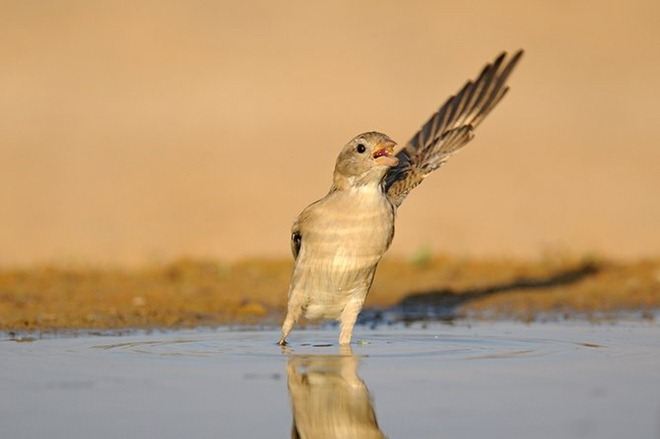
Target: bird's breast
344, 238
350, 229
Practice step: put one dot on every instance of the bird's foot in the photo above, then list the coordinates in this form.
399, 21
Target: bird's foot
282, 342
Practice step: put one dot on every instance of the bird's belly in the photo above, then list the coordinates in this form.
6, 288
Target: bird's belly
338, 261
332, 283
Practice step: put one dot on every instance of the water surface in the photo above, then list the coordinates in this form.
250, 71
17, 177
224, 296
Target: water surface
550, 380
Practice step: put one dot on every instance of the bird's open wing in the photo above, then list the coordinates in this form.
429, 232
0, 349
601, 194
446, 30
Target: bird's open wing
450, 128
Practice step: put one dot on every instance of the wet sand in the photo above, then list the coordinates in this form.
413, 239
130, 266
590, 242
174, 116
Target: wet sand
544, 380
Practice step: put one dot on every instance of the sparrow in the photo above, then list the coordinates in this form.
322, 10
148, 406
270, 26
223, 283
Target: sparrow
338, 240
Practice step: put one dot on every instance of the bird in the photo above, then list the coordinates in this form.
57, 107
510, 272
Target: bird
338, 241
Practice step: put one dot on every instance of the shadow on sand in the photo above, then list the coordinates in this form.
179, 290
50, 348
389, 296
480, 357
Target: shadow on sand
444, 304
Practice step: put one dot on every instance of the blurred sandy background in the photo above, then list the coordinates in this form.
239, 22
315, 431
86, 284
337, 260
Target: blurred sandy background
133, 132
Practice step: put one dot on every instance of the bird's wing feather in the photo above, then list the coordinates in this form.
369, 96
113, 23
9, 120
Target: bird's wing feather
450, 128
296, 240
298, 226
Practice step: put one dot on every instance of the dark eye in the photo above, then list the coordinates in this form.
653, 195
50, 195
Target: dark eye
361, 148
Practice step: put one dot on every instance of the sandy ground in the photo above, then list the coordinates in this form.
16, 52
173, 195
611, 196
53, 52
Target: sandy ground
191, 293
544, 380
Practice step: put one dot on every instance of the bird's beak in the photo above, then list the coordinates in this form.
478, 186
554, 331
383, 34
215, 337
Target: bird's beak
384, 153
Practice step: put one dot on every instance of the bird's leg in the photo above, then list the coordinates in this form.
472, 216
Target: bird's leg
286, 328
347, 321
292, 315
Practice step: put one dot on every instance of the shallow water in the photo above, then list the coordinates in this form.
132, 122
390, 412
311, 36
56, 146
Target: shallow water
550, 380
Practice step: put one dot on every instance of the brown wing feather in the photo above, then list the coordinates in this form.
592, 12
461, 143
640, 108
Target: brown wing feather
450, 128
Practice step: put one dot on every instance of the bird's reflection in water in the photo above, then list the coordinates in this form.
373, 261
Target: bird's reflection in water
328, 398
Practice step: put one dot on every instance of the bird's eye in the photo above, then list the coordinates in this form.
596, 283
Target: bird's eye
361, 148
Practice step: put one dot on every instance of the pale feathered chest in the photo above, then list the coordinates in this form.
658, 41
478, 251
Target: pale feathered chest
344, 236
356, 223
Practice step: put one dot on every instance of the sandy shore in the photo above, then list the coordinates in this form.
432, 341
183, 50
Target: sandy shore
190, 293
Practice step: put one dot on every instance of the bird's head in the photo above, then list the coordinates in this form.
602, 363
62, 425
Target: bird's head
365, 160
